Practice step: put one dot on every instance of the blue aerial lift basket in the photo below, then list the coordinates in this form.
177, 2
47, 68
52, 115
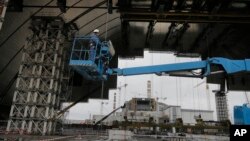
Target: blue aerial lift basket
90, 59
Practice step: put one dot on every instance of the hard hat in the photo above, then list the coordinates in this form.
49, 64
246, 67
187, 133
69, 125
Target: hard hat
96, 31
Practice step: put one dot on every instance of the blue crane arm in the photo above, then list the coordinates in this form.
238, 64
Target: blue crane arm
91, 61
166, 68
229, 66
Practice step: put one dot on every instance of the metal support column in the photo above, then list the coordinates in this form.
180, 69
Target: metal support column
38, 87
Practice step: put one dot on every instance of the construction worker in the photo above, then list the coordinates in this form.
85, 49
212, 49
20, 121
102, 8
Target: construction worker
94, 37
95, 43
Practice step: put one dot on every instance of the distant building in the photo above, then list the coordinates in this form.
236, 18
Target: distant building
149, 110
189, 116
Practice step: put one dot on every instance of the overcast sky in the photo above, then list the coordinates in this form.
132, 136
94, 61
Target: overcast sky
189, 93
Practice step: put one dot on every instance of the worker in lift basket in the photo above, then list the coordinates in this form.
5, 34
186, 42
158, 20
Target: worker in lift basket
94, 42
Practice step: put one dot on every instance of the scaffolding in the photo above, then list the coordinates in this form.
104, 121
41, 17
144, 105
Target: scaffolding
221, 106
39, 86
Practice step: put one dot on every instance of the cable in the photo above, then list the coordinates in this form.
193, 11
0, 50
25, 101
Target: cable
102, 90
7, 88
176, 84
1, 45
152, 76
35, 14
106, 27
208, 96
198, 94
196, 73
105, 117
86, 12
23, 24
59, 114
106, 23
23, 45
193, 94
69, 8
12, 58
109, 29
246, 97
91, 21
180, 91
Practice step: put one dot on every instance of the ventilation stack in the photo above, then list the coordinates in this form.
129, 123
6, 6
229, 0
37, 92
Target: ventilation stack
149, 89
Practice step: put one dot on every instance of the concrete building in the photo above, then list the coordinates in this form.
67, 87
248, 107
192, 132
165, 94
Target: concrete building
189, 116
149, 110
190, 28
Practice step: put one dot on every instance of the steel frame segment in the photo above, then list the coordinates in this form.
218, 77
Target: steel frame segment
184, 17
37, 95
221, 106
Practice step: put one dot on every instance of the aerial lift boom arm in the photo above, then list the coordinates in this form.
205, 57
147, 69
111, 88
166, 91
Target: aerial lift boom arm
93, 64
229, 67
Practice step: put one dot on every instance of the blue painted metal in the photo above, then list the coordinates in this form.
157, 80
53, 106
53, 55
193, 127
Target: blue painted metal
88, 69
242, 115
90, 57
229, 66
232, 66
160, 68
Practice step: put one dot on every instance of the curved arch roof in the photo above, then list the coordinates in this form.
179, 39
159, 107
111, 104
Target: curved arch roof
184, 27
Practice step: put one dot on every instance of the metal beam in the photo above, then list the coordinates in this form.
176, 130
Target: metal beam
150, 32
84, 97
184, 17
86, 12
180, 34
167, 36
74, 7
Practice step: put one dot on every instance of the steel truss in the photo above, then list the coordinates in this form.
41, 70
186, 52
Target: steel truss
41, 77
221, 106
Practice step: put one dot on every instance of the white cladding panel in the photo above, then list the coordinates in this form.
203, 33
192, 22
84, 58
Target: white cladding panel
188, 116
